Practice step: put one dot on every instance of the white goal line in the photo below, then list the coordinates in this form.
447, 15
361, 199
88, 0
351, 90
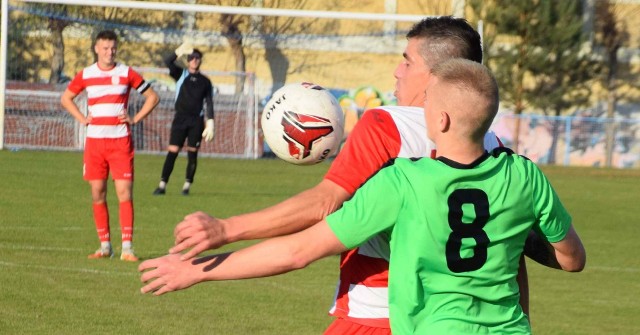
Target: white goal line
238, 10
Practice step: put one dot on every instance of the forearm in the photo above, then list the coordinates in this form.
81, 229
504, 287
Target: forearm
209, 105
151, 101
292, 215
277, 255
174, 70
67, 103
271, 257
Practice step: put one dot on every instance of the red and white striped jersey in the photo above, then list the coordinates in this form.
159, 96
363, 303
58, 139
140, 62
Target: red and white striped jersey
382, 134
107, 97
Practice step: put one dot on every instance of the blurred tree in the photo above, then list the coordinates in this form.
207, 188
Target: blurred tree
271, 30
538, 54
58, 17
611, 34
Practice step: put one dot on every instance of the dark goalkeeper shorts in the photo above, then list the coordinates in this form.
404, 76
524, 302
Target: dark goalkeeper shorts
190, 132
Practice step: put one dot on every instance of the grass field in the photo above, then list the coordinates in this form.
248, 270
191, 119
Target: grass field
47, 286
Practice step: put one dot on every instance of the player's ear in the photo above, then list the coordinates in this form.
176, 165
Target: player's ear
444, 122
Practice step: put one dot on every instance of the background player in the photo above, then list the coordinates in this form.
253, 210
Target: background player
440, 282
384, 133
108, 146
193, 91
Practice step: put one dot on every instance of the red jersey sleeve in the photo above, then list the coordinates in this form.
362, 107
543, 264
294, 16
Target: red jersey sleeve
372, 142
77, 84
135, 79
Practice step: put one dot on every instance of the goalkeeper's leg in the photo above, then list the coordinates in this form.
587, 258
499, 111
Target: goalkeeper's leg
167, 168
193, 144
176, 140
192, 164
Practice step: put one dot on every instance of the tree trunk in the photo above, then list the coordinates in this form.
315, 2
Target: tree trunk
612, 100
554, 138
238, 53
232, 33
57, 43
278, 64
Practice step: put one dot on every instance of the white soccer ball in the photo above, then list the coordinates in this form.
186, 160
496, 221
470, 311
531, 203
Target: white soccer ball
303, 123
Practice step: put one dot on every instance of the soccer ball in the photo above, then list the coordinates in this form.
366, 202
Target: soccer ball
303, 123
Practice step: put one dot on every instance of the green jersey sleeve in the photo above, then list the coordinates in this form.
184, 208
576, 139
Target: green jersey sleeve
373, 208
553, 219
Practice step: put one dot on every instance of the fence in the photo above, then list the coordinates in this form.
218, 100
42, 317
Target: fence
34, 118
572, 141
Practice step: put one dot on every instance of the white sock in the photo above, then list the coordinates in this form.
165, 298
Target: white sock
162, 185
186, 185
126, 245
105, 245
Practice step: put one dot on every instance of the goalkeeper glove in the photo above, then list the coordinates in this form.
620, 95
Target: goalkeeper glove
184, 49
209, 130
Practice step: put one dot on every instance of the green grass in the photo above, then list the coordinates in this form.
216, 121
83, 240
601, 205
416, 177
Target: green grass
47, 286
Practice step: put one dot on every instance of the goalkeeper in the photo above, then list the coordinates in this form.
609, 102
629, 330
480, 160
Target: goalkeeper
194, 96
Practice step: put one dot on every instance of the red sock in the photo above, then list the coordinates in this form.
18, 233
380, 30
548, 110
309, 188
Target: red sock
126, 220
101, 218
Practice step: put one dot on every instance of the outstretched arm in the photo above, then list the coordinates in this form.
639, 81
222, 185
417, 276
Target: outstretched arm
271, 257
200, 231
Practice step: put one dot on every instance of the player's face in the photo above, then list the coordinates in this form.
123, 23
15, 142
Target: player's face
106, 51
412, 75
194, 63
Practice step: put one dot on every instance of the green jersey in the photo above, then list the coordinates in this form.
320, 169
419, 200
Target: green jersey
456, 234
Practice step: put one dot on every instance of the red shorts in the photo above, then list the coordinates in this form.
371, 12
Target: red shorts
345, 327
104, 155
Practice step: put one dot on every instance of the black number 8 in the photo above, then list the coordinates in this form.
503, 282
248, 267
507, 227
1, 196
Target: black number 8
472, 230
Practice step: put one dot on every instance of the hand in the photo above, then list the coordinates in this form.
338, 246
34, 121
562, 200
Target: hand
124, 118
209, 130
167, 274
184, 49
87, 120
198, 231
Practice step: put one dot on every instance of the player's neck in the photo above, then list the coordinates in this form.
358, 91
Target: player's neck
463, 152
106, 66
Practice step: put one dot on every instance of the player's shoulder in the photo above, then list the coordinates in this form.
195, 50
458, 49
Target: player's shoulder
403, 112
204, 77
397, 117
406, 165
517, 161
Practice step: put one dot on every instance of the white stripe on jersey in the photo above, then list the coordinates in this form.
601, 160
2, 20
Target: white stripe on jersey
102, 110
366, 302
96, 131
96, 91
413, 131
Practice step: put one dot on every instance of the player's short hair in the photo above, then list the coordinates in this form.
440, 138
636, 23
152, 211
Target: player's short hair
108, 35
477, 79
447, 37
195, 53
